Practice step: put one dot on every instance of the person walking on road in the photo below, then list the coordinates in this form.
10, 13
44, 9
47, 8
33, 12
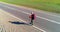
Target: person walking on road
32, 17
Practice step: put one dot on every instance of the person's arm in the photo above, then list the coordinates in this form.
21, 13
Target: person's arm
29, 16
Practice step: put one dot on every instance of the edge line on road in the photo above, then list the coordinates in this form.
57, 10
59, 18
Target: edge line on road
27, 7
22, 20
36, 16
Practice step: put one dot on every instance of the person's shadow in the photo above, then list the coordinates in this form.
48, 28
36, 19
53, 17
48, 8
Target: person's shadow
18, 23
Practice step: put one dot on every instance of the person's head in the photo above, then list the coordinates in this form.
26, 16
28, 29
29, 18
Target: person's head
32, 13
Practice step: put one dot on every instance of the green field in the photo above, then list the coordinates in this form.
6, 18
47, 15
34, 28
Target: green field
46, 5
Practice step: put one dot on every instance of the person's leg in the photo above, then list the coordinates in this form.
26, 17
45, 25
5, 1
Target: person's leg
31, 22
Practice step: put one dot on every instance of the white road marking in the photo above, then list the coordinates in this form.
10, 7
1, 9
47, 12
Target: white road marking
39, 29
36, 16
48, 13
29, 8
22, 20
41, 17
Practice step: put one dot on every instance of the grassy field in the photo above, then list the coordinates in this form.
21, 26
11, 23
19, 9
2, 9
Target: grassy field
46, 5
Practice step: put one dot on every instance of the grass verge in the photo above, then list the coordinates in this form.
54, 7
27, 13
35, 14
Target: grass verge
46, 5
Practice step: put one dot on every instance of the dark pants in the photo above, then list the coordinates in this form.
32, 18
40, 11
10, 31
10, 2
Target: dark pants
31, 21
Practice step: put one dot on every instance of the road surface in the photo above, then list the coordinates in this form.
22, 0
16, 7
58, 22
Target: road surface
9, 23
47, 21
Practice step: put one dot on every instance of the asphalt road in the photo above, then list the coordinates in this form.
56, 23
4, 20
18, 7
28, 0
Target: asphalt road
47, 21
9, 23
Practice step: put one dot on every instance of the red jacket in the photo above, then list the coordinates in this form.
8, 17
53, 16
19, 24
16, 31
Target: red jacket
32, 16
